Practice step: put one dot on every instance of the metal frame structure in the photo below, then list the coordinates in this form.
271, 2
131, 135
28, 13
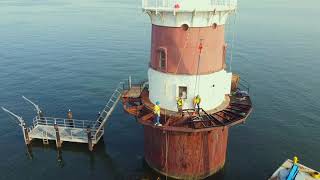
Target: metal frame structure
68, 130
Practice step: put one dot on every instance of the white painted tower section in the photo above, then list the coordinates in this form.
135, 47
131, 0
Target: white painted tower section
212, 89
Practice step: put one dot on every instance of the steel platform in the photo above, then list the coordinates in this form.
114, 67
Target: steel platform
67, 130
67, 134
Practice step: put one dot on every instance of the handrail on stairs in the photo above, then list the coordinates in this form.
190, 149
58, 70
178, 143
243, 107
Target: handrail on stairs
108, 109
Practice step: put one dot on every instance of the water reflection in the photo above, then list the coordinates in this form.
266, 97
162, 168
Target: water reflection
59, 158
100, 158
97, 156
29, 152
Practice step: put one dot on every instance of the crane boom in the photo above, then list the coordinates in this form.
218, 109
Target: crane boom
14, 115
37, 108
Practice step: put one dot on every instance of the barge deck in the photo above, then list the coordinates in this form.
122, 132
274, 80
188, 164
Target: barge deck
305, 173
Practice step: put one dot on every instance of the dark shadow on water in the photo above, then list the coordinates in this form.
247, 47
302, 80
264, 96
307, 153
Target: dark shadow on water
143, 172
150, 174
220, 175
99, 153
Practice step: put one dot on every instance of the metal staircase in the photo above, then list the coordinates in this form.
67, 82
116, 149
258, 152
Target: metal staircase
107, 110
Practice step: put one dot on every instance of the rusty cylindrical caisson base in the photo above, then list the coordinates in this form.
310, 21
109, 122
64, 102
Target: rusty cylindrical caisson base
185, 155
191, 146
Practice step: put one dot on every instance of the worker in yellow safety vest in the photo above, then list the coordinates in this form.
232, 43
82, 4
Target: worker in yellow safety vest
180, 105
196, 103
156, 111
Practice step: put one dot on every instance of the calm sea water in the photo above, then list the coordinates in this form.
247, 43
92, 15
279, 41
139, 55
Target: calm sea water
72, 53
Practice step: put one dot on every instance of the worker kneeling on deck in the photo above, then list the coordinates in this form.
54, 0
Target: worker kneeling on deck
196, 103
156, 111
180, 105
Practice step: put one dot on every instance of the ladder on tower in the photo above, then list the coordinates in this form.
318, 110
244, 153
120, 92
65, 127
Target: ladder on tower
107, 110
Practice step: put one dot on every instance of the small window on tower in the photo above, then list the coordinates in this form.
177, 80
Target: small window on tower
183, 92
162, 59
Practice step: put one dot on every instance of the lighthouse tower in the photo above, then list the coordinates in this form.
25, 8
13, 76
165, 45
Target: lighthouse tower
188, 52
188, 59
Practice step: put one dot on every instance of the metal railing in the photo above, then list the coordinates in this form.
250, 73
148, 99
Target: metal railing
69, 123
126, 85
107, 111
173, 3
244, 85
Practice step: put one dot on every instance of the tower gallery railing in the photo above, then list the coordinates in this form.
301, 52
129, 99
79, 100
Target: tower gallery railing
176, 3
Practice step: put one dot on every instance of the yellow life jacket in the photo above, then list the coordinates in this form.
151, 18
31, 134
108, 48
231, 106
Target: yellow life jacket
197, 100
180, 102
156, 110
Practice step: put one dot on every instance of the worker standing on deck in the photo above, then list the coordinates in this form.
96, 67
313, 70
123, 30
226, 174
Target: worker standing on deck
69, 117
180, 105
156, 111
41, 115
196, 103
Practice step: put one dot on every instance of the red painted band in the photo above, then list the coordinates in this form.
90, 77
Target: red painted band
182, 49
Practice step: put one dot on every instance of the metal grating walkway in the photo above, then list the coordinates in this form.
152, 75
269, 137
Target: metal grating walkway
70, 130
67, 134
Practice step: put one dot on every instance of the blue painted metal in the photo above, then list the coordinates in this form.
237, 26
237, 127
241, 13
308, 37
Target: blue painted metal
293, 172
